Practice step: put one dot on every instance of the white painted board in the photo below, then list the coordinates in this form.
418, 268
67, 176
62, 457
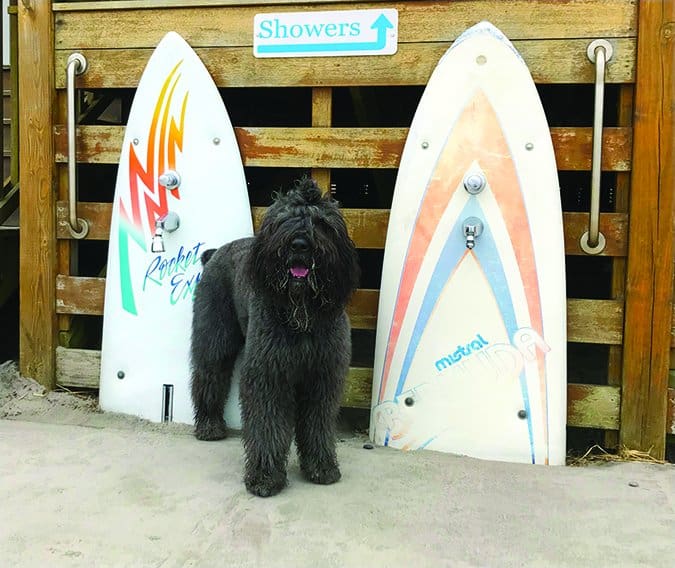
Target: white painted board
471, 342
177, 122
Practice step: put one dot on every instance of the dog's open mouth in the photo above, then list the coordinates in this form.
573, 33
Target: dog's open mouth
298, 271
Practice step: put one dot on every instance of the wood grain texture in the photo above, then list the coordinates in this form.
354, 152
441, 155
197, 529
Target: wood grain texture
649, 284
37, 258
549, 61
367, 227
588, 406
614, 363
588, 321
78, 368
322, 116
418, 21
325, 147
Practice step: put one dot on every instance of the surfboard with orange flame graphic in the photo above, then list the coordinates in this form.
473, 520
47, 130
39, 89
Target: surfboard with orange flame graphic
471, 339
178, 124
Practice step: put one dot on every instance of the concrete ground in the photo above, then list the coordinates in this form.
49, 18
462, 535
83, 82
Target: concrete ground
80, 488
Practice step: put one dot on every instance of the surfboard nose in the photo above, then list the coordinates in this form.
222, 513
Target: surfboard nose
486, 29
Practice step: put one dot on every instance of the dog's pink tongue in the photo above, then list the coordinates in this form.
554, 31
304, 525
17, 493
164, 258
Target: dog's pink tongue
299, 271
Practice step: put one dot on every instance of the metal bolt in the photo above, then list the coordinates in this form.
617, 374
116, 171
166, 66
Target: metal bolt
474, 183
529, 146
481, 60
522, 414
425, 145
409, 401
120, 374
135, 141
216, 141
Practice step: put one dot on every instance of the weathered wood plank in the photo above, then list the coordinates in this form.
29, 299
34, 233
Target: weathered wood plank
593, 406
595, 321
79, 295
324, 147
549, 61
37, 257
613, 225
418, 21
78, 368
367, 227
588, 321
588, 406
649, 289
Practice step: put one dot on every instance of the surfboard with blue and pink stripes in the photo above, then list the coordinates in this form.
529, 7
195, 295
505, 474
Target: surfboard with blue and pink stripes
470, 352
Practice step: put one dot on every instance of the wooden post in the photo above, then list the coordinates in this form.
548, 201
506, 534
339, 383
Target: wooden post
649, 283
625, 118
37, 258
322, 109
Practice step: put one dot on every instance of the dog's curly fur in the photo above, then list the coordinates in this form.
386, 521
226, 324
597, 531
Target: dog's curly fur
277, 301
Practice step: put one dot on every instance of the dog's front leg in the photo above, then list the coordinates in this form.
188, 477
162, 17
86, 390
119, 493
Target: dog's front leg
318, 403
267, 418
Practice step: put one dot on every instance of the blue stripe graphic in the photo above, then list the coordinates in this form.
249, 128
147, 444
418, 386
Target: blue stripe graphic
488, 257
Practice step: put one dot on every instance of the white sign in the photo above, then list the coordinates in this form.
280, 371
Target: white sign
326, 34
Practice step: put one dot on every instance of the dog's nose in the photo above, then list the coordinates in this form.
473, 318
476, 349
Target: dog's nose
299, 245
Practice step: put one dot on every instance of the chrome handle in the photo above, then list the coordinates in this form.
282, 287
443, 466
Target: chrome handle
599, 52
472, 228
168, 222
77, 64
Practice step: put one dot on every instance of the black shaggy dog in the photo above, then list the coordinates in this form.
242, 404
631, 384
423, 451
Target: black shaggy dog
278, 301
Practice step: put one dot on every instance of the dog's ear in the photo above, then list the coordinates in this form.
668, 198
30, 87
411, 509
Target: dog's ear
206, 255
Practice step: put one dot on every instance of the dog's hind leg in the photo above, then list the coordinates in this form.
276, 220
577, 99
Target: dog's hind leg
210, 388
216, 340
318, 404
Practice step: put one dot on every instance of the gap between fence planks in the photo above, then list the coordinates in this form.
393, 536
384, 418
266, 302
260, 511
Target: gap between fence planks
549, 61
325, 147
367, 227
228, 23
588, 321
588, 406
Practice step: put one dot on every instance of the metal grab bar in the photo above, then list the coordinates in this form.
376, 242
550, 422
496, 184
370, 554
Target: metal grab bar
77, 64
599, 52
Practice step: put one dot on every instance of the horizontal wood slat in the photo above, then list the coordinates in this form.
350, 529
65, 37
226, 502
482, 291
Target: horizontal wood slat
588, 406
549, 61
588, 321
367, 227
418, 21
345, 147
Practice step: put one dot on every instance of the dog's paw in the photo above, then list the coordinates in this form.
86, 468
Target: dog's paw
211, 431
322, 474
263, 485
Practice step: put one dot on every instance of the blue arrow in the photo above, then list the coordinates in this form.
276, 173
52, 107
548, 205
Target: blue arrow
381, 24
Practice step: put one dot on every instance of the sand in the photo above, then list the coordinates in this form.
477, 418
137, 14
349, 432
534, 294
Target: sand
82, 488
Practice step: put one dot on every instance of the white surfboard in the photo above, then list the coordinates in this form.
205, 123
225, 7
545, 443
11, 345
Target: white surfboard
177, 123
471, 338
